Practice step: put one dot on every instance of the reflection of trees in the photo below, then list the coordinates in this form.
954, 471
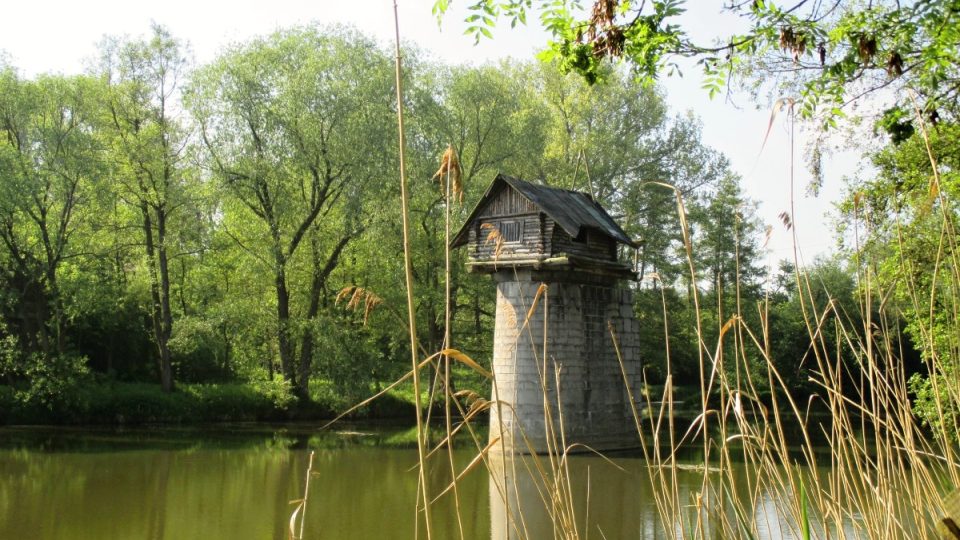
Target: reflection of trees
617, 502
157, 495
360, 491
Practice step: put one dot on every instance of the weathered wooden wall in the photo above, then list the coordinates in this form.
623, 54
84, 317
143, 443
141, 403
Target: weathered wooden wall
593, 245
527, 233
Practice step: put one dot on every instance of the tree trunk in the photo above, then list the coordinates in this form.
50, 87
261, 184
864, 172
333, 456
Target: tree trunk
157, 311
54, 323
166, 367
283, 324
56, 309
317, 285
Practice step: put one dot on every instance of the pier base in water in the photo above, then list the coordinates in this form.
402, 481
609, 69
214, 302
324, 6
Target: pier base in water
558, 382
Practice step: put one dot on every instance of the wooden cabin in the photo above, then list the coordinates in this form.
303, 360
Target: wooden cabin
519, 224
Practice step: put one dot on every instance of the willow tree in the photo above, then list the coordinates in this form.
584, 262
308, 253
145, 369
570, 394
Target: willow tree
50, 161
495, 122
149, 141
293, 127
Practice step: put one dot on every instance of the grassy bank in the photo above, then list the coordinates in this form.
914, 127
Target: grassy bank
125, 403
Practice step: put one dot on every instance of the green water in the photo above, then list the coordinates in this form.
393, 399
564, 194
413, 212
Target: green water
237, 483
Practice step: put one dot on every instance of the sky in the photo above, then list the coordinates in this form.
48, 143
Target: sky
48, 36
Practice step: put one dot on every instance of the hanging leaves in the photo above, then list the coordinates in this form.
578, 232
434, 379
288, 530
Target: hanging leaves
794, 42
866, 48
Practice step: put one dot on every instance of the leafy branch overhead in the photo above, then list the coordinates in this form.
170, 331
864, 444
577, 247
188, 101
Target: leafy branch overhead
829, 53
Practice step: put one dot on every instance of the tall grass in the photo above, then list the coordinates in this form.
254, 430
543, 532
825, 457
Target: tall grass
853, 460
863, 467
408, 275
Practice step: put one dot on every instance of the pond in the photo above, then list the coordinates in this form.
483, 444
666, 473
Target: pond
236, 482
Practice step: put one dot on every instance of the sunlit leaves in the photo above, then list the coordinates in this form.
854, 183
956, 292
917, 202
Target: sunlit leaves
828, 53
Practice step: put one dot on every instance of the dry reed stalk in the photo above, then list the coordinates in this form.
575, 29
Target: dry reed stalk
881, 466
408, 275
301, 510
867, 476
450, 169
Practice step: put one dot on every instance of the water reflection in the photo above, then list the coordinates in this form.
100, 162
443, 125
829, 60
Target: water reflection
607, 498
237, 485
616, 498
221, 485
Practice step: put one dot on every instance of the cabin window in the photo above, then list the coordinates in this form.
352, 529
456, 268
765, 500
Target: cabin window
511, 231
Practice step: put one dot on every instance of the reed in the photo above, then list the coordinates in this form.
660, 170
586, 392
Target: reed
864, 467
300, 511
853, 460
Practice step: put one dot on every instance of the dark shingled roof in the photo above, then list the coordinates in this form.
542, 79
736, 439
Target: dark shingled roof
572, 210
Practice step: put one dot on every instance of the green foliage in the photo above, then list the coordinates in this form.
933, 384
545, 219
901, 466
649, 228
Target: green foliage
292, 126
224, 228
50, 165
133, 403
104, 402
726, 238
828, 53
897, 123
936, 402
53, 381
910, 256
827, 294
154, 188
9, 353
198, 350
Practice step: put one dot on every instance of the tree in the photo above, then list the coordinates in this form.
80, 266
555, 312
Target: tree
905, 218
50, 162
833, 52
288, 124
618, 142
830, 296
495, 122
727, 235
150, 143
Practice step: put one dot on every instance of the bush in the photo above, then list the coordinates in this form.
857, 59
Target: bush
198, 350
279, 392
136, 403
111, 402
53, 382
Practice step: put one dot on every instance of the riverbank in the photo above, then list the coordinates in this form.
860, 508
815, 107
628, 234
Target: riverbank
126, 403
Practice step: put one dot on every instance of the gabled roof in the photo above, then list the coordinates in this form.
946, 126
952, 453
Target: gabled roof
571, 210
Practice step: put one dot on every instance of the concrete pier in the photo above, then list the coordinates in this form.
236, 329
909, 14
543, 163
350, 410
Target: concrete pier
569, 388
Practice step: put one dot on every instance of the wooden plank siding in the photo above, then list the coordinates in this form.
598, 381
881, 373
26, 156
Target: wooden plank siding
529, 233
591, 244
519, 222
529, 241
508, 202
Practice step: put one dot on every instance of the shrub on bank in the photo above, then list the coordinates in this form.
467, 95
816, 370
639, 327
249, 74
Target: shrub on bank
141, 403
135, 403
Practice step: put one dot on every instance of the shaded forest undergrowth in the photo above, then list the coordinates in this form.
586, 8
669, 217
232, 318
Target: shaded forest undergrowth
132, 403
